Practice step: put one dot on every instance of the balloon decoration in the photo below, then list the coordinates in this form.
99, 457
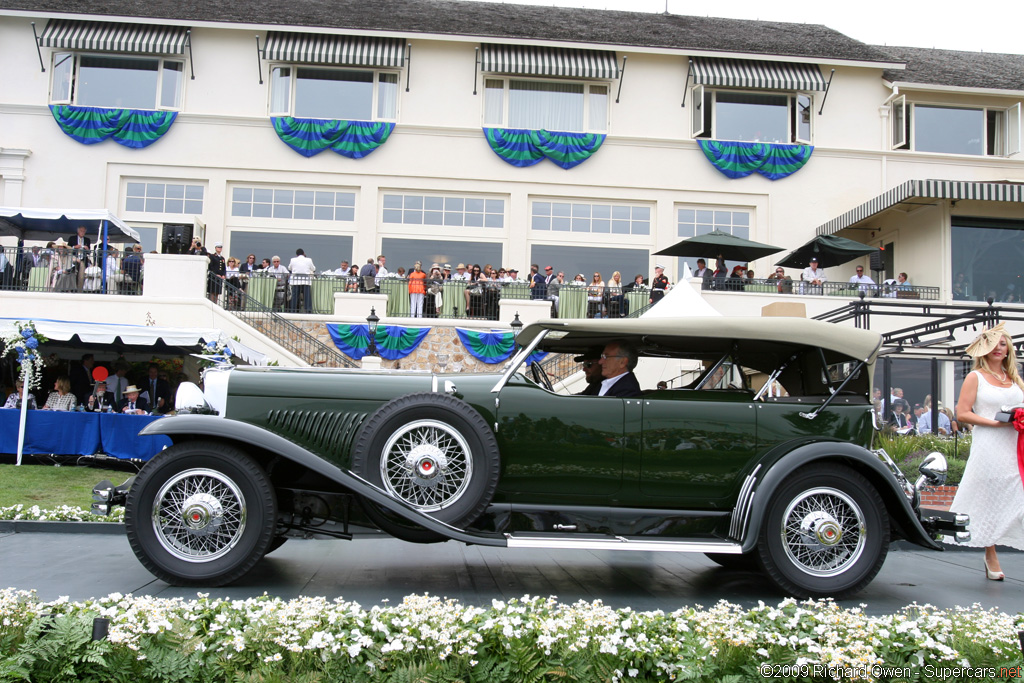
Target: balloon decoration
100, 374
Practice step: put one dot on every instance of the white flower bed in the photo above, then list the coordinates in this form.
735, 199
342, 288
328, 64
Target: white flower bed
427, 638
64, 513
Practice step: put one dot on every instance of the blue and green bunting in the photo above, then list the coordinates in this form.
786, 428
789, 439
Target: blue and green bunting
393, 341
521, 147
492, 347
352, 139
129, 127
740, 159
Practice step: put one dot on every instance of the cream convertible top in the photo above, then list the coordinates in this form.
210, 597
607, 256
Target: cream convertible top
577, 335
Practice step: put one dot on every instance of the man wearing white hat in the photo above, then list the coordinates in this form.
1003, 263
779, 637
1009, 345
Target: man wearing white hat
659, 284
814, 277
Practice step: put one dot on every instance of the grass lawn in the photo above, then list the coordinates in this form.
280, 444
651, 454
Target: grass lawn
49, 487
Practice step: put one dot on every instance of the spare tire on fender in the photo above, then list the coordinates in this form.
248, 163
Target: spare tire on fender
432, 451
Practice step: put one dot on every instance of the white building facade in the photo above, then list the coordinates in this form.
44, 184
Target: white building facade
405, 129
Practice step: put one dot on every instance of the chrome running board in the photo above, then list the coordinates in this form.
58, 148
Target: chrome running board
623, 543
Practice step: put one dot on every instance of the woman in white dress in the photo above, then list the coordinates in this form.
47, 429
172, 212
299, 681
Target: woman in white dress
992, 492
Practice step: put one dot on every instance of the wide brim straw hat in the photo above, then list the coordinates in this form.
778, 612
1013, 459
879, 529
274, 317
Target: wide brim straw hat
986, 341
132, 389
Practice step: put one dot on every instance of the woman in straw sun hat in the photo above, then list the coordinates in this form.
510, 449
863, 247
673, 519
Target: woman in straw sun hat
991, 491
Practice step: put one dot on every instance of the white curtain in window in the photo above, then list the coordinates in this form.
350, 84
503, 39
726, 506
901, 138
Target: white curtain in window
494, 102
387, 96
280, 90
550, 106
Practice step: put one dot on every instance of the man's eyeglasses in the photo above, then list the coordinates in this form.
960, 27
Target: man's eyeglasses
605, 356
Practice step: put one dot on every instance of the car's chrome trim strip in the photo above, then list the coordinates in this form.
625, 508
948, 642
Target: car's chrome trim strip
622, 543
741, 512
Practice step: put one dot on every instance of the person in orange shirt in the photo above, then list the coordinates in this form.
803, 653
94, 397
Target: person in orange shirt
416, 290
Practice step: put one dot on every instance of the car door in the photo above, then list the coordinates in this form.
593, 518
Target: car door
558, 449
695, 445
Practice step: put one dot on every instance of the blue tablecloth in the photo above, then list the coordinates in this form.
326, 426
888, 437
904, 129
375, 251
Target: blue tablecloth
119, 436
49, 431
67, 433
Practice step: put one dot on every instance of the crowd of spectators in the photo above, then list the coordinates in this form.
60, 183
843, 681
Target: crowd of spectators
150, 392
424, 286
904, 418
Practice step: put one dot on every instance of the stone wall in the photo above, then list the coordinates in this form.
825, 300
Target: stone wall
440, 351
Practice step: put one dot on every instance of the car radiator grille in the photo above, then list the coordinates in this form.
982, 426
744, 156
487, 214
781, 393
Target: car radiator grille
329, 434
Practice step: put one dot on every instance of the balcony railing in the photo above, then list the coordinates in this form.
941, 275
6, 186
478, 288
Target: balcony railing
799, 288
70, 270
262, 318
458, 299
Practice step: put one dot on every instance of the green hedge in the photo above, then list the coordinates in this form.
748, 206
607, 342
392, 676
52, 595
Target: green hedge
909, 451
428, 639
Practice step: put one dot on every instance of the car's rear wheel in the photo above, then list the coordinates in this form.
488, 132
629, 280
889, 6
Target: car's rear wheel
433, 452
825, 533
200, 514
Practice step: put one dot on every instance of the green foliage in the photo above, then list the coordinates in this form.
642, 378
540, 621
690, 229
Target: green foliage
426, 640
908, 452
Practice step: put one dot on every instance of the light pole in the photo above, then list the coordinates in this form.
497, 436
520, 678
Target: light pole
371, 322
517, 327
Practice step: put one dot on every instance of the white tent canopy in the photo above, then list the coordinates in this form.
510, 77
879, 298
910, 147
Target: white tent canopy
135, 335
45, 224
682, 301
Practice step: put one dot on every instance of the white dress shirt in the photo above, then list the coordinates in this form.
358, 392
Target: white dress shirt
301, 268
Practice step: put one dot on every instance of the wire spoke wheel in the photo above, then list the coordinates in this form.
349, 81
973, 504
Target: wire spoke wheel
199, 515
427, 464
823, 531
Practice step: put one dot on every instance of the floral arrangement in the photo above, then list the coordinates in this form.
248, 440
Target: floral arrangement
217, 352
426, 638
64, 513
26, 344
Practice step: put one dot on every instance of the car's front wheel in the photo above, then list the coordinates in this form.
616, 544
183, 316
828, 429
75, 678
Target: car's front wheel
825, 533
200, 514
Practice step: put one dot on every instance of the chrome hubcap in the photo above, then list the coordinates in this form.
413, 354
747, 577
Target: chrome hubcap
823, 531
427, 464
199, 515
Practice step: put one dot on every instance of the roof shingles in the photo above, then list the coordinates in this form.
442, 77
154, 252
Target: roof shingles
927, 66
495, 21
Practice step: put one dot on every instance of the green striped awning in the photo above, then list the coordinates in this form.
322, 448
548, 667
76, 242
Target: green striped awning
531, 60
110, 37
925, 189
317, 48
745, 73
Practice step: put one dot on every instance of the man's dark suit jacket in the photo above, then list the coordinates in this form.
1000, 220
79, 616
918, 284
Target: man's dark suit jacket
627, 387
163, 390
140, 404
108, 400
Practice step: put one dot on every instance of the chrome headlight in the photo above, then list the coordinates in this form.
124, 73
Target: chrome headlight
933, 471
190, 399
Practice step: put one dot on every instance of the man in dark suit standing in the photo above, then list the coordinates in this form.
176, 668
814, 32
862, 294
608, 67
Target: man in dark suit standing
617, 363
81, 378
158, 390
80, 245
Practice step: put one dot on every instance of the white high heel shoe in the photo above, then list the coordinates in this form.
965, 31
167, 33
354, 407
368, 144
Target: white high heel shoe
993, 576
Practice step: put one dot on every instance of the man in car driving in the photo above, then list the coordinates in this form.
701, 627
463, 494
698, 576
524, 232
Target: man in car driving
617, 363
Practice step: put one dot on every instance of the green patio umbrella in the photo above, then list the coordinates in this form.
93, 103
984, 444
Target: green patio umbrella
717, 243
830, 250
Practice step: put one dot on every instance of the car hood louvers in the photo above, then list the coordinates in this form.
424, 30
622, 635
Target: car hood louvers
329, 434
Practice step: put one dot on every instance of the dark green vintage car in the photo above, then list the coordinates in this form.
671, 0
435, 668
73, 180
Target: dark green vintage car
759, 458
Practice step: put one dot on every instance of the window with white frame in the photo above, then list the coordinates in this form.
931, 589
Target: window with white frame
693, 221
747, 116
164, 197
590, 217
443, 210
286, 203
333, 93
979, 131
568, 106
121, 81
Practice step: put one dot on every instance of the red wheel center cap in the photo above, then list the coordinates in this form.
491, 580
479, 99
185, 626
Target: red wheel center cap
427, 466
